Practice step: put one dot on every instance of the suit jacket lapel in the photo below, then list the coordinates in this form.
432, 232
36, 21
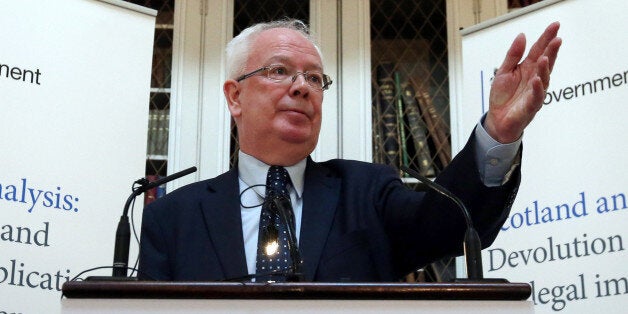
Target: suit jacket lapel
320, 198
221, 210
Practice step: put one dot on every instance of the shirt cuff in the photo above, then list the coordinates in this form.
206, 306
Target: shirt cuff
495, 160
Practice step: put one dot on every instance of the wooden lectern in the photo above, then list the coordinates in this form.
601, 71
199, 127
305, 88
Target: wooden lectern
229, 297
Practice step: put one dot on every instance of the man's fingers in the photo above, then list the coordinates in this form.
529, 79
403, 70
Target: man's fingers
536, 102
552, 51
543, 70
514, 54
543, 42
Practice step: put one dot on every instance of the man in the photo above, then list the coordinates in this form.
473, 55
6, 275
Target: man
354, 221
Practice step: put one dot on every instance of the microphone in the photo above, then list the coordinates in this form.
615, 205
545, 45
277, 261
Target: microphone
283, 203
123, 233
471, 243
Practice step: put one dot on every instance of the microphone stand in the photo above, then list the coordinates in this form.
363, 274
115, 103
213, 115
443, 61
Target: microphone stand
472, 244
123, 233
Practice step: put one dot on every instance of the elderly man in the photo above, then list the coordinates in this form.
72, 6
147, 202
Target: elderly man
353, 221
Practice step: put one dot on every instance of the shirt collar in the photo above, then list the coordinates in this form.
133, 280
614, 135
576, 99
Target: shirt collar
253, 172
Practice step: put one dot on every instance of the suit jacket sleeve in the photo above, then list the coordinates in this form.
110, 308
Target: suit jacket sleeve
426, 227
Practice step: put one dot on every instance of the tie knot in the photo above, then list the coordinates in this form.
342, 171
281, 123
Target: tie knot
277, 181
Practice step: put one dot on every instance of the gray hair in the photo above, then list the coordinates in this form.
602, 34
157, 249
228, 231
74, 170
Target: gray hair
237, 50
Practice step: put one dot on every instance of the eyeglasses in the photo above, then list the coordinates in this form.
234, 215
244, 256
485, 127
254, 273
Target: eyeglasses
281, 74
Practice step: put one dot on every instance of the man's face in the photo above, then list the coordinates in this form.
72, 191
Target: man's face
278, 122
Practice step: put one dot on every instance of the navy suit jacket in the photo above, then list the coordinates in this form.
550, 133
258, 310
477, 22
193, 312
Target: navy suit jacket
359, 223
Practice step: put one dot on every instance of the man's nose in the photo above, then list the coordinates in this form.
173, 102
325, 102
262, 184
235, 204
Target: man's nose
299, 84
296, 77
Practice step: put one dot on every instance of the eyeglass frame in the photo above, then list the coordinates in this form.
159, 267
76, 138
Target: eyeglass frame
327, 81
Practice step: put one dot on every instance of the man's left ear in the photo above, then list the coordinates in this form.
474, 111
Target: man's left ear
231, 89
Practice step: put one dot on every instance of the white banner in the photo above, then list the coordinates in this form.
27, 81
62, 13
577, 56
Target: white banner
567, 234
74, 89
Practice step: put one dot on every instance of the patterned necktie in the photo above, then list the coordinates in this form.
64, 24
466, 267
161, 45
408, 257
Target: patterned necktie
273, 254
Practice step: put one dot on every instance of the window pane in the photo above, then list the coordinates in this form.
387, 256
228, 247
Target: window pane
409, 58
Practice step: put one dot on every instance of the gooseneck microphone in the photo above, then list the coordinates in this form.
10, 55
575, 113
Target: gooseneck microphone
283, 203
471, 243
123, 233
